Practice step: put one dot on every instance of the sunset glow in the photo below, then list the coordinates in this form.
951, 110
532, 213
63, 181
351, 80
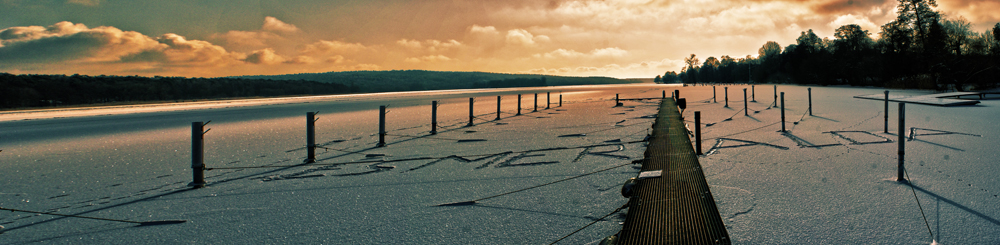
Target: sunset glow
616, 38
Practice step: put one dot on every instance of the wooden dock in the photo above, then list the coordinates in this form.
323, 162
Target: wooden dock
677, 207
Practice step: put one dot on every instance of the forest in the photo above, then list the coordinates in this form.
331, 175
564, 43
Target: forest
920, 49
414, 80
513, 82
23, 91
30, 91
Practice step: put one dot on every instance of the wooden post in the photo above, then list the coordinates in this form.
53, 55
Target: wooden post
518, 104
782, 112
810, 90
498, 107
471, 115
616, 100
381, 126
434, 117
753, 94
697, 131
536, 103
902, 142
664, 94
560, 100
727, 96
198, 154
548, 100
775, 96
886, 111
677, 95
713, 95
745, 112
310, 137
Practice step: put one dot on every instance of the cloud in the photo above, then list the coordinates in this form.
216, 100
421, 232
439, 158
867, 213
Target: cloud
573, 54
274, 25
983, 12
488, 30
522, 37
609, 52
183, 52
272, 33
246, 39
840, 7
65, 41
266, 57
84, 2
430, 45
862, 21
413, 44
429, 58
326, 47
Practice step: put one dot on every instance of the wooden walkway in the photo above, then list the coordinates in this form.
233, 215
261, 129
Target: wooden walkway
676, 207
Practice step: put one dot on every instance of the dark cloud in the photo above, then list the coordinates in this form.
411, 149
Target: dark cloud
51, 49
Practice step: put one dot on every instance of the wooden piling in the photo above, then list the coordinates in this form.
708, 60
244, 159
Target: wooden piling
782, 112
434, 117
381, 126
745, 112
498, 107
471, 113
902, 142
310, 137
197, 154
697, 132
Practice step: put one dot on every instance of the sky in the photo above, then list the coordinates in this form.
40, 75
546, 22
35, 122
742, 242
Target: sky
615, 38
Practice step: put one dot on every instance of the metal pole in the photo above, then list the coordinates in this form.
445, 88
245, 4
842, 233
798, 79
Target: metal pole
518, 104
197, 154
498, 107
727, 96
745, 113
548, 100
536, 103
782, 111
434, 117
310, 137
471, 116
902, 140
560, 100
886, 111
753, 94
810, 101
381, 126
775, 95
697, 131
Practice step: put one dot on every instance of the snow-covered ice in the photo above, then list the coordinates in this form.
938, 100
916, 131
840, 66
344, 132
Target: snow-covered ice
135, 166
829, 179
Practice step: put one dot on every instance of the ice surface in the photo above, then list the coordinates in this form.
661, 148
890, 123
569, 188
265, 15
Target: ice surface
136, 166
828, 179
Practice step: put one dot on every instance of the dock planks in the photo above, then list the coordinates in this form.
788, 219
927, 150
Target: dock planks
677, 207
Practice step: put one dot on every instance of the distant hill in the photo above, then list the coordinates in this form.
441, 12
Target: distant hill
413, 80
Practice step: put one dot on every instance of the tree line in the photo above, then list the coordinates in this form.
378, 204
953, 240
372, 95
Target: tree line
919, 49
21, 91
512, 83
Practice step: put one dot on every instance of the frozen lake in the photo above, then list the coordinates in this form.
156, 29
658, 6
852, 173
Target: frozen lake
829, 179
134, 163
